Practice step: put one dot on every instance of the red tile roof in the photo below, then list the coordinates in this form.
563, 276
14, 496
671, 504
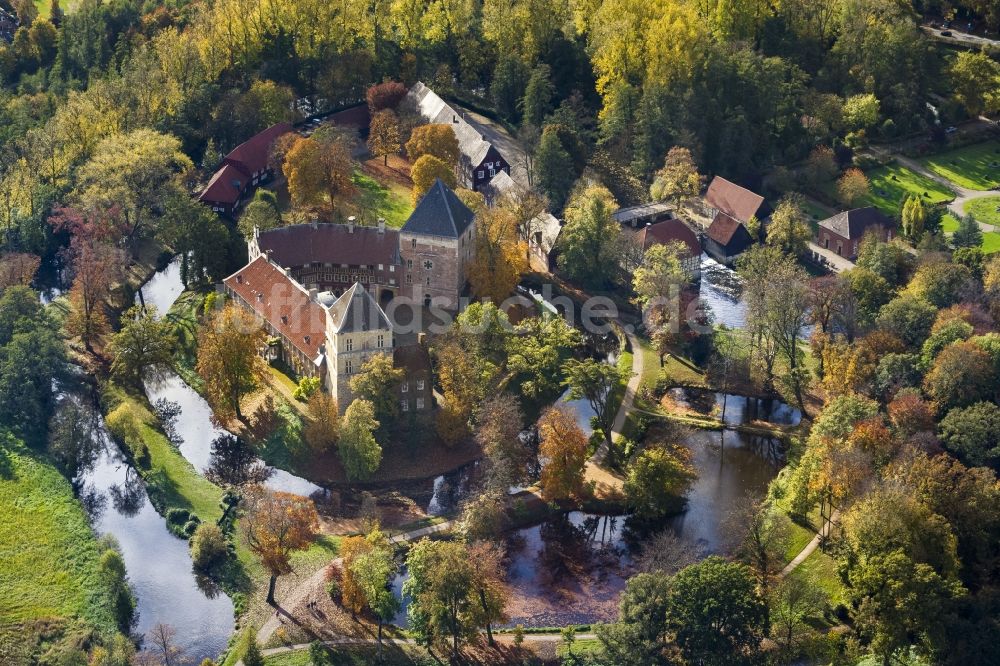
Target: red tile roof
283, 303
668, 231
222, 188
252, 155
723, 228
738, 202
301, 244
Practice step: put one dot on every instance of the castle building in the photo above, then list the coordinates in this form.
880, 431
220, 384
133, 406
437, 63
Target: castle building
436, 245
320, 290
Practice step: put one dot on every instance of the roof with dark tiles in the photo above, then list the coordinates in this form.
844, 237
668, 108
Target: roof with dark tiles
439, 213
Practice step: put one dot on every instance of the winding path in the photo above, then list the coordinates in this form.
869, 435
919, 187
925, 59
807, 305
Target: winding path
296, 597
811, 546
964, 194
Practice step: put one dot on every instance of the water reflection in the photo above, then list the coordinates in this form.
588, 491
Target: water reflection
158, 563
736, 409
164, 288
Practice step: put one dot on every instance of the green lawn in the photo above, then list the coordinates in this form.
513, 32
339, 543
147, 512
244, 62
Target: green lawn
985, 210
49, 556
376, 200
172, 481
949, 223
971, 167
891, 185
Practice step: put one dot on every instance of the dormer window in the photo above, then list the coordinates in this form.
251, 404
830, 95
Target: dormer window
284, 319
239, 279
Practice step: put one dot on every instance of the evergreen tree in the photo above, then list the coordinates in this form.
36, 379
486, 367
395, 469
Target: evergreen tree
968, 233
553, 169
537, 101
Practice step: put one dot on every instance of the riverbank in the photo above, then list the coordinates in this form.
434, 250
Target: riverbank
50, 563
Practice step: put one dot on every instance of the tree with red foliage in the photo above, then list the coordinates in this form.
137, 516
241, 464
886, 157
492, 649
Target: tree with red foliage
386, 95
94, 265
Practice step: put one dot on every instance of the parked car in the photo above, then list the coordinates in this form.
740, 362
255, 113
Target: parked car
950, 130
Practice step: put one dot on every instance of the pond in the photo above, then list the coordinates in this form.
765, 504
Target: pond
736, 409
193, 426
568, 570
158, 564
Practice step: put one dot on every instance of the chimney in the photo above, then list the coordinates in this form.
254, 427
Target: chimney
350, 224
312, 293
315, 224
381, 225
256, 232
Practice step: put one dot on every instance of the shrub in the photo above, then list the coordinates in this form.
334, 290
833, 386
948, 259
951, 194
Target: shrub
208, 307
208, 546
191, 526
307, 386
177, 516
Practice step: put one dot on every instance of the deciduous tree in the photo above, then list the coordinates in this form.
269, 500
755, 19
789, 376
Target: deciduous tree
597, 383
229, 360
679, 179
789, 229
384, 137
498, 432
426, 170
500, 257
323, 427
563, 452
378, 382
658, 480
589, 239
319, 169
437, 140
852, 186
143, 342
276, 524
359, 452
385, 96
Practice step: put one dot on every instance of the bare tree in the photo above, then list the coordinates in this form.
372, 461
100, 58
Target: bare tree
162, 649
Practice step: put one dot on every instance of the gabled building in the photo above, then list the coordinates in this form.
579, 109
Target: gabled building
674, 231
245, 168
436, 244
842, 233
726, 239
314, 334
739, 203
333, 257
730, 208
480, 159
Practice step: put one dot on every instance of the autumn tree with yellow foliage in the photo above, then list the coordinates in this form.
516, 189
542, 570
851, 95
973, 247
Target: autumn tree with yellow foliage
425, 171
500, 256
563, 451
229, 361
319, 170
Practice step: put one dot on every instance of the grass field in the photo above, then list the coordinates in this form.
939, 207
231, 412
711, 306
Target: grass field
387, 199
985, 210
891, 185
975, 167
49, 557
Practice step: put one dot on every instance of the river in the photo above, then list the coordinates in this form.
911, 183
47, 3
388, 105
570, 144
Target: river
158, 563
194, 426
